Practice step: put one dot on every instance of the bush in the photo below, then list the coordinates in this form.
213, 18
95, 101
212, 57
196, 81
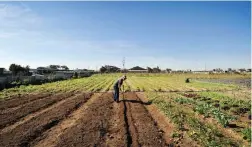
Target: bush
26, 82
75, 75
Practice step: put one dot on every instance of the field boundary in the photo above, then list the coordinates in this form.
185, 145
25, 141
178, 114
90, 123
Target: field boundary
175, 91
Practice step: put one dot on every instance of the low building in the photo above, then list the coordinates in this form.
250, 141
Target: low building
63, 74
85, 73
202, 72
38, 77
138, 71
33, 71
1, 71
70, 73
242, 70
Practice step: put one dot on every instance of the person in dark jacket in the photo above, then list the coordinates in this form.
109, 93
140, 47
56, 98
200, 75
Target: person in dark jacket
117, 87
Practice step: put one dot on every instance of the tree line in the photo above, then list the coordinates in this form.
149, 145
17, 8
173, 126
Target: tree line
25, 70
110, 69
17, 69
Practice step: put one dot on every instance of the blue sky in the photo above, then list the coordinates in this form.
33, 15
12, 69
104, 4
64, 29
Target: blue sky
177, 35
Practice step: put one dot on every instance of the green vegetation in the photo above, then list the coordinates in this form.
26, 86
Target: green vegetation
204, 116
186, 119
94, 83
247, 134
135, 82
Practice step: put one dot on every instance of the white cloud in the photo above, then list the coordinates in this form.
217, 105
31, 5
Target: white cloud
17, 17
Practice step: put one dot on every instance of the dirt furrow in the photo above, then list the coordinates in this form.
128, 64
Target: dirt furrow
23, 134
50, 139
33, 115
118, 135
17, 101
101, 124
10, 116
143, 129
166, 125
162, 121
81, 121
132, 135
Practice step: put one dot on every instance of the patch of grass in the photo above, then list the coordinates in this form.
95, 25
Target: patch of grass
247, 134
175, 135
184, 101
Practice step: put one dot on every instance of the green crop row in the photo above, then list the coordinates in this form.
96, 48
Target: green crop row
135, 82
185, 118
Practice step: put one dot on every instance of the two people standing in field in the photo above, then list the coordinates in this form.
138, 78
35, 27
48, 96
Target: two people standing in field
117, 87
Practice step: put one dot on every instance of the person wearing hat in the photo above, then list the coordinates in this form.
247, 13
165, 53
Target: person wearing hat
117, 87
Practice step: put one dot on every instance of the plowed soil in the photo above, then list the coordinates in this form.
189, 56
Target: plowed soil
82, 119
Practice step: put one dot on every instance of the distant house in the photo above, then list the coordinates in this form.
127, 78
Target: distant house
3, 81
85, 73
68, 74
43, 70
242, 70
7, 73
64, 74
33, 71
137, 69
202, 72
1, 71
38, 76
179, 71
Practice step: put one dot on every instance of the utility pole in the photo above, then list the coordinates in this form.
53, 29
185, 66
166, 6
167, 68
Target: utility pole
123, 62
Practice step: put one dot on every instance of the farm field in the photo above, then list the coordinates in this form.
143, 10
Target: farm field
242, 82
154, 110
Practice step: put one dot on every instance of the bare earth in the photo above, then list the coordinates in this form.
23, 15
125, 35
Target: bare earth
82, 119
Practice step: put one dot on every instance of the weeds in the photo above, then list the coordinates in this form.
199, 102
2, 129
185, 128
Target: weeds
205, 134
247, 134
